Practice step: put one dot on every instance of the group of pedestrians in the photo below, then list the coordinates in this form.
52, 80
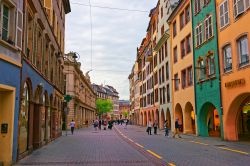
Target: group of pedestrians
99, 123
166, 128
150, 125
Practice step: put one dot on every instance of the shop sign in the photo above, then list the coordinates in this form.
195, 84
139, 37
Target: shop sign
235, 83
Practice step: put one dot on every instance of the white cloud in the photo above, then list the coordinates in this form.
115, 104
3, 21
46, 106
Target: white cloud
116, 34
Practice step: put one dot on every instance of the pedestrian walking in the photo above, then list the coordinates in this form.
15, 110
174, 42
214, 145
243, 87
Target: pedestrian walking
72, 126
104, 124
155, 127
100, 125
149, 127
126, 123
177, 128
96, 122
166, 128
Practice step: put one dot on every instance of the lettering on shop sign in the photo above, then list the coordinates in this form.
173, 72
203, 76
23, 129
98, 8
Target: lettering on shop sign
235, 83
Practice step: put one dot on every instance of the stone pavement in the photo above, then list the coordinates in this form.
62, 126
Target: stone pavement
88, 148
190, 150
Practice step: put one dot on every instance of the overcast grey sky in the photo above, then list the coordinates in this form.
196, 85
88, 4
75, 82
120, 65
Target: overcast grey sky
116, 34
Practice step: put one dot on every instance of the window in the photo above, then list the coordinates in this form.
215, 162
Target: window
182, 20
160, 76
161, 12
183, 78
168, 93
240, 6
208, 27
164, 95
176, 82
210, 66
188, 43
156, 95
5, 22
224, 14
198, 35
190, 76
187, 14
202, 70
174, 29
243, 51
227, 58
183, 51
197, 6
166, 49
163, 73
167, 71
162, 29
206, 2
175, 55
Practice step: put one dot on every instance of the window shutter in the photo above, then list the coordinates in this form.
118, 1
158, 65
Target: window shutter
19, 29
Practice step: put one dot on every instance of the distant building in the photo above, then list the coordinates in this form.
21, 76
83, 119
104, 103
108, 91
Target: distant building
108, 92
82, 107
124, 106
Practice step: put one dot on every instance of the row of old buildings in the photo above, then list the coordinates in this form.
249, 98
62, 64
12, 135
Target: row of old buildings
193, 64
37, 78
107, 92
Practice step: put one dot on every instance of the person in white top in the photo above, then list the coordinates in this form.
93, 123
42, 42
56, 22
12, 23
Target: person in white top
72, 126
149, 127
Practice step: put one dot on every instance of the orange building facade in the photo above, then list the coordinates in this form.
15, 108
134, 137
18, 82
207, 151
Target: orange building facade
233, 39
182, 67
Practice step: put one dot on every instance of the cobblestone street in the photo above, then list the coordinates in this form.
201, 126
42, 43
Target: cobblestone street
132, 146
88, 147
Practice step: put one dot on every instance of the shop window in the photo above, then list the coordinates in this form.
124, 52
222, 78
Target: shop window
243, 51
227, 58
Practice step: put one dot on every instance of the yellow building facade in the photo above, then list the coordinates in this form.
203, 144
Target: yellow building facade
182, 68
233, 40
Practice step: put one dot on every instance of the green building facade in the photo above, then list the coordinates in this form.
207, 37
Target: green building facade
206, 69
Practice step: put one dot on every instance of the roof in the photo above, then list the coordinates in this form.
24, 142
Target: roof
107, 89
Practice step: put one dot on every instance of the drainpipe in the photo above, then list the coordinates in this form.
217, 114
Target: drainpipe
194, 69
221, 105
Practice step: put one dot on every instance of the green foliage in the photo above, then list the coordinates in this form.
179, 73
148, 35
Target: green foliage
125, 114
103, 106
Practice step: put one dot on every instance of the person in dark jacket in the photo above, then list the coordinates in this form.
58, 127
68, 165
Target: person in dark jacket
155, 127
177, 128
166, 128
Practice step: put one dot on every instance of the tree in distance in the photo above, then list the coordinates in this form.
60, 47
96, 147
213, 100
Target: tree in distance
103, 106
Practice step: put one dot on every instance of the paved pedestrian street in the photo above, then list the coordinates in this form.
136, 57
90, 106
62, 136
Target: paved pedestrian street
132, 146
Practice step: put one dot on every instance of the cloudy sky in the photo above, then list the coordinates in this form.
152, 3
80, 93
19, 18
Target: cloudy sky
116, 34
